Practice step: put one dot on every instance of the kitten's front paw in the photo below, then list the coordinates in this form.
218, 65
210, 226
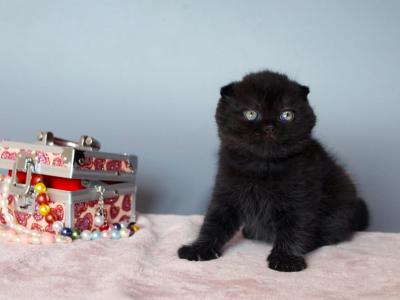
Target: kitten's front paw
195, 252
248, 233
286, 263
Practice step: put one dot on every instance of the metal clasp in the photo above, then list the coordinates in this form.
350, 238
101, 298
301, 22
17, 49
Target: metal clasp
23, 192
25, 163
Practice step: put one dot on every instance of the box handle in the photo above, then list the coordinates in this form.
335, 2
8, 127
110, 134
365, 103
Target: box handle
85, 142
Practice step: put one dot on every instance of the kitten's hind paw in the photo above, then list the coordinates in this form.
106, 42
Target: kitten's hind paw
198, 253
286, 263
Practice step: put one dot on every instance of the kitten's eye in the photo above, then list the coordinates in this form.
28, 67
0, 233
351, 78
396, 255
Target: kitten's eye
287, 116
251, 115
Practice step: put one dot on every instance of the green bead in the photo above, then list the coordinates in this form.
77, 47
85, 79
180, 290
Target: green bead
76, 234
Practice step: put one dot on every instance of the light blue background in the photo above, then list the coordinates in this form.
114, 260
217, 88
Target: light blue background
144, 77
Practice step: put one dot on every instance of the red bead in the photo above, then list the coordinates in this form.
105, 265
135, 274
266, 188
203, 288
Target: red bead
42, 199
36, 179
50, 218
104, 227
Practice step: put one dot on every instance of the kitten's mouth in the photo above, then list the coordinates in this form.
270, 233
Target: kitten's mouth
270, 137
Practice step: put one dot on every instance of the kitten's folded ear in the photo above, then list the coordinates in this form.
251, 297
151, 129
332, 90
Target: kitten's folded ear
227, 90
305, 89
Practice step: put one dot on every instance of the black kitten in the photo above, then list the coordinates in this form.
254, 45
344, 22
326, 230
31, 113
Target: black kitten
274, 177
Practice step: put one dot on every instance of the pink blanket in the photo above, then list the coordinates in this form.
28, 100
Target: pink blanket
146, 267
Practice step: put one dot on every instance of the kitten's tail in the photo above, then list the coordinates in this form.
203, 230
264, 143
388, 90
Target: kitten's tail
361, 216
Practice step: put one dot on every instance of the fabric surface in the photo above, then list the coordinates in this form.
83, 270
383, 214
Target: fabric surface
146, 266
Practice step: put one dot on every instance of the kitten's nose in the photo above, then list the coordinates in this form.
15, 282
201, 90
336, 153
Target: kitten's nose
269, 129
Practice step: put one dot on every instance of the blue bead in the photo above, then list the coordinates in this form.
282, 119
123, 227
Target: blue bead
116, 226
65, 231
96, 235
115, 235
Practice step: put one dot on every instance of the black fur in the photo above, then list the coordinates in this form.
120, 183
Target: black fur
274, 178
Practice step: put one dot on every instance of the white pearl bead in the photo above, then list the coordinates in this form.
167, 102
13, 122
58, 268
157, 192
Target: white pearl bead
3, 202
86, 235
105, 234
115, 234
3, 234
99, 220
19, 228
124, 224
27, 230
35, 240
96, 235
57, 226
5, 189
36, 234
124, 232
9, 218
59, 239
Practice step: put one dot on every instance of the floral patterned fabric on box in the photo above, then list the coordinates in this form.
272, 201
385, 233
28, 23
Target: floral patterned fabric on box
119, 209
52, 159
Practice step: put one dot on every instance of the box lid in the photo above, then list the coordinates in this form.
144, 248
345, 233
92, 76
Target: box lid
63, 158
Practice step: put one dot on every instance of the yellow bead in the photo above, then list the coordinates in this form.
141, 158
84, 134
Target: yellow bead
44, 209
135, 227
40, 188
